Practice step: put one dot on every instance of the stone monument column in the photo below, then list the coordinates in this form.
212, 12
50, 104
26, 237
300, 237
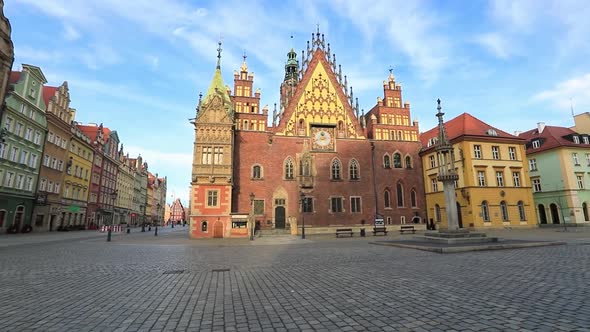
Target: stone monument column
446, 173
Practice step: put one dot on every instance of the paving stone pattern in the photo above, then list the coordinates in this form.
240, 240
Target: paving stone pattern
147, 284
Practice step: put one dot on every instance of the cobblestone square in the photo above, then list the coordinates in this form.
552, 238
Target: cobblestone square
139, 282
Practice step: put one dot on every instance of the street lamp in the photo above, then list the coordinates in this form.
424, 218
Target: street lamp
252, 216
302, 199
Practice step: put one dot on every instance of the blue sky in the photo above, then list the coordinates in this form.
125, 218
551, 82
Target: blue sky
138, 66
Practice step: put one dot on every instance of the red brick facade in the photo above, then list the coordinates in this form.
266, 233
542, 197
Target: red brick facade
350, 168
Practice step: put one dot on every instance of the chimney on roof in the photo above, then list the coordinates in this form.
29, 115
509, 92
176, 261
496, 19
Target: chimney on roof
540, 126
517, 132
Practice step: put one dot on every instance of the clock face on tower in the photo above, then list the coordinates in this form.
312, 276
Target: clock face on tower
323, 138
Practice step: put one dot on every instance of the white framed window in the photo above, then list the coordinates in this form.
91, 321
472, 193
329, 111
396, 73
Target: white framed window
19, 181
576, 140
23, 157
536, 144
8, 124
580, 180
60, 165
29, 183
50, 137
37, 139
3, 149
33, 161
481, 178
64, 143
336, 204
206, 156
477, 151
13, 154
336, 169
9, 179
585, 139
521, 212
432, 162
50, 186
18, 129
29, 134
495, 152
353, 170
43, 185
46, 161
434, 184
532, 164
23, 108
355, 204
516, 179
512, 153
212, 198
588, 159
500, 179
54, 163
57, 187
537, 185
575, 159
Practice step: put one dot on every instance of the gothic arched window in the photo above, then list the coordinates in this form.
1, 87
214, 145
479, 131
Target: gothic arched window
289, 168
397, 160
386, 161
400, 195
336, 167
354, 170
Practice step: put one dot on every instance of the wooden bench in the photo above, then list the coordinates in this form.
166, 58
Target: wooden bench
344, 231
407, 228
379, 230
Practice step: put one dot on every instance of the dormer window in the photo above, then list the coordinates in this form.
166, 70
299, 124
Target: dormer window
576, 140
432, 141
491, 132
585, 139
536, 144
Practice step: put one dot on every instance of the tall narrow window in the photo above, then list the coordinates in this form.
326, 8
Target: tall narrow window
400, 195
516, 178
437, 212
434, 184
485, 211
386, 161
355, 204
308, 204
289, 169
580, 180
336, 167
500, 179
256, 172
432, 162
532, 164
477, 151
536, 185
481, 178
496, 152
354, 170
521, 213
504, 210
206, 156
397, 160
408, 162
575, 158
386, 199
305, 167
413, 198
218, 155
512, 153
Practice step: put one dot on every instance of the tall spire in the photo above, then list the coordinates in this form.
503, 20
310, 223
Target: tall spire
443, 140
219, 54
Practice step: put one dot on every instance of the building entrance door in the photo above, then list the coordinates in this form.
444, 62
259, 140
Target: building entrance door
280, 217
218, 229
459, 215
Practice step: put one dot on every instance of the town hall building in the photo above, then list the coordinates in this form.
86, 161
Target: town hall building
317, 160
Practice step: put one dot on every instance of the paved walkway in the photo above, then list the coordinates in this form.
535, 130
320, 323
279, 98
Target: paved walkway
141, 282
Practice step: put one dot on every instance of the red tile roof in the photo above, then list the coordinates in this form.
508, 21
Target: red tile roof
465, 125
551, 137
14, 77
48, 92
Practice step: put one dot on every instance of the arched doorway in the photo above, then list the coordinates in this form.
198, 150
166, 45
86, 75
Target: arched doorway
585, 211
459, 215
218, 229
554, 213
542, 214
280, 217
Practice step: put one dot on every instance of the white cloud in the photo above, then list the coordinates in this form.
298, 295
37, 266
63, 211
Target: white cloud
495, 44
28, 54
70, 33
98, 55
519, 15
153, 61
577, 88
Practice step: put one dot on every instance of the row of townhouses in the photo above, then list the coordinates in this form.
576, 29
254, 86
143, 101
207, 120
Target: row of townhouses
58, 174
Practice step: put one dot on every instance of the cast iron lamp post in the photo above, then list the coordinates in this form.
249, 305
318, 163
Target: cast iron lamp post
252, 216
302, 196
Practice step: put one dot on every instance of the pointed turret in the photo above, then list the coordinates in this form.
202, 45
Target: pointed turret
218, 87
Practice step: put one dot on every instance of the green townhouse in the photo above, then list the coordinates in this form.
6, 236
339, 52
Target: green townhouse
24, 125
559, 168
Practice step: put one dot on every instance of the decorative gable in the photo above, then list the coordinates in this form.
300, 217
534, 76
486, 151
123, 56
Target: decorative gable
319, 101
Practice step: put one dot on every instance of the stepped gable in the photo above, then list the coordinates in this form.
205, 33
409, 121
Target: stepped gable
321, 96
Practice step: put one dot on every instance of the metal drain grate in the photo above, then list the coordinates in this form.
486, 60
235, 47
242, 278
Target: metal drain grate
173, 272
220, 270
